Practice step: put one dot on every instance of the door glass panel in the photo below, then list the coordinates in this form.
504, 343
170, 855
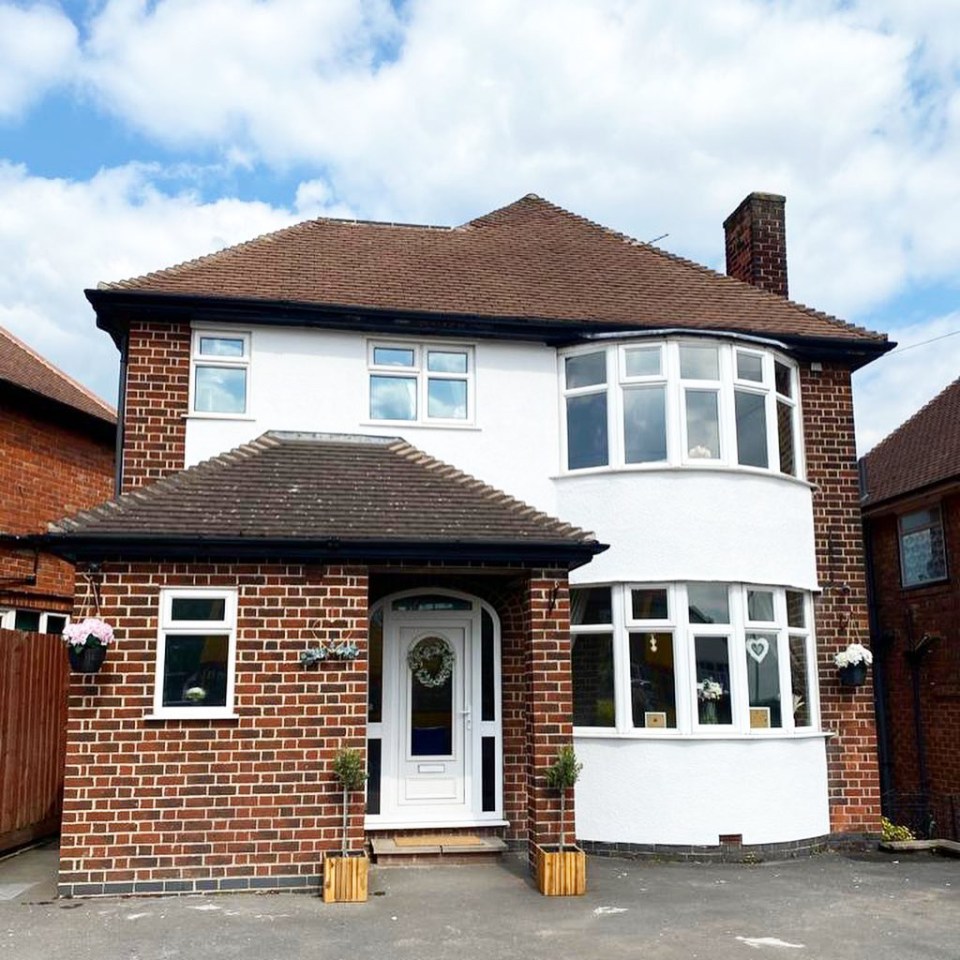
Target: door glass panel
431, 665
375, 669
488, 693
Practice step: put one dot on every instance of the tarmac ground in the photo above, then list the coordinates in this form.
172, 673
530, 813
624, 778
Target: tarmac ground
829, 907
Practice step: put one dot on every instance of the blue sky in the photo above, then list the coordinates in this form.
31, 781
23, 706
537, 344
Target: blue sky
135, 135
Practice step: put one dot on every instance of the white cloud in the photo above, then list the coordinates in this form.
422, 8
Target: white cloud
891, 389
59, 237
38, 45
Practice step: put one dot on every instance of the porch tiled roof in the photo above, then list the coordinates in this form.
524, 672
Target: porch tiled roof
529, 260
24, 368
921, 452
322, 487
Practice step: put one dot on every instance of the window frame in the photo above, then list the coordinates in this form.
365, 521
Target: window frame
199, 360
676, 388
421, 373
683, 633
167, 627
933, 508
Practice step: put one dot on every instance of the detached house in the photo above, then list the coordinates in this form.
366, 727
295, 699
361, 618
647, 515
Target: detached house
359, 435
910, 483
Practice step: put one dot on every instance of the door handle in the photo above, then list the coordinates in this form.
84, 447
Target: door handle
466, 717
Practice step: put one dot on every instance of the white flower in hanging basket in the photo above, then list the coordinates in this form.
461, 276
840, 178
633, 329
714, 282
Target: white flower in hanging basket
431, 661
854, 654
91, 632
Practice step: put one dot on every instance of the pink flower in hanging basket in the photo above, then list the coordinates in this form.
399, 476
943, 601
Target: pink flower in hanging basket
91, 632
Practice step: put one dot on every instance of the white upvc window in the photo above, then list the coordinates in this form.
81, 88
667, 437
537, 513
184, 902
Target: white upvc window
427, 383
196, 653
220, 373
33, 621
679, 402
693, 659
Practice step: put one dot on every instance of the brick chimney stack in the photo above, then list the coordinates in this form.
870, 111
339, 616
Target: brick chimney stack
757, 242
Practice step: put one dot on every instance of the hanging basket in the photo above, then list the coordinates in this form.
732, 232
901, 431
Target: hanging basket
853, 675
86, 659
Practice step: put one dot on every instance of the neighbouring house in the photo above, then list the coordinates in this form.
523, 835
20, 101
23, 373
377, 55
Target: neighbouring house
910, 489
56, 456
57, 445
315, 429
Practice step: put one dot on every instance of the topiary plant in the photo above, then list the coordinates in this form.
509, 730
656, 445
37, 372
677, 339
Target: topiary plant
561, 776
348, 768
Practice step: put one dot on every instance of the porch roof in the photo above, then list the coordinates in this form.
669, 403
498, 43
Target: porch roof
318, 496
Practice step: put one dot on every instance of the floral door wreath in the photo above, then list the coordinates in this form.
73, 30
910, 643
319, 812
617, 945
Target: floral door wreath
431, 661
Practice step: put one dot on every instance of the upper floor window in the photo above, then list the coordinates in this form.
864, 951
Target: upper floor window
692, 658
680, 403
923, 556
421, 383
220, 364
196, 653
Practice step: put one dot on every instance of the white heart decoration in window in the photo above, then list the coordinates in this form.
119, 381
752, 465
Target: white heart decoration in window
758, 648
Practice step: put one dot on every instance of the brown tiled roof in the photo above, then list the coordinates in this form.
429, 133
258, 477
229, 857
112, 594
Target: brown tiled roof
529, 260
923, 451
296, 486
26, 369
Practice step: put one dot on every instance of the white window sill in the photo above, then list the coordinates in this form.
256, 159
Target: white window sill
682, 468
190, 714
396, 426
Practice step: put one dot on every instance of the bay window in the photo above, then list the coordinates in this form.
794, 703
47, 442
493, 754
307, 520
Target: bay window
680, 403
697, 658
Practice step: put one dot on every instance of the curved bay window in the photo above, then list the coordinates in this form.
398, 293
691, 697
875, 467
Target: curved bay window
680, 403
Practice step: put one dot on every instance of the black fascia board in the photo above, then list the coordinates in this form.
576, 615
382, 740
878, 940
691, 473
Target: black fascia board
93, 547
116, 308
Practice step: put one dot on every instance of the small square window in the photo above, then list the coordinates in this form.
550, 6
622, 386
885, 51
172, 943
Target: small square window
796, 611
923, 555
760, 606
441, 361
393, 357
589, 605
749, 366
708, 603
649, 603
586, 370
643, 362
222, 346
198, 608
699, 363
393, 398
783, 377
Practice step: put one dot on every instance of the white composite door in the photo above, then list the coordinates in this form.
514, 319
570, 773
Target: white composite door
434, 732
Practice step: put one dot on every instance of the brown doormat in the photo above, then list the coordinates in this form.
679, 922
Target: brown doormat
436, 839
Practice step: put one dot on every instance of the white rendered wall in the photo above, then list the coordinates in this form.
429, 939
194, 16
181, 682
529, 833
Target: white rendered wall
723, 525
692, 791
317, 381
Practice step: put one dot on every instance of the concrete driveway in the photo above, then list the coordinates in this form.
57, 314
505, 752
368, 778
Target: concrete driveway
831, 907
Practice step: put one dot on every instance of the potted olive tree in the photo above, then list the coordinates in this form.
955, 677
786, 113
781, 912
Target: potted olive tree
562, 867
345, 876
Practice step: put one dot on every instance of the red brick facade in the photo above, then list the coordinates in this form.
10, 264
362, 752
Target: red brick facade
179, 805
156, 402
923, 766
841, 611
51, 465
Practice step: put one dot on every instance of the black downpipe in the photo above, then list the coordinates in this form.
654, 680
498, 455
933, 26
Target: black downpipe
121, 409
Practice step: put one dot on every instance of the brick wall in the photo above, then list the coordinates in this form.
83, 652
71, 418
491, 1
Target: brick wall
156, 402
179, 805
48, 469
903, 616
841, 611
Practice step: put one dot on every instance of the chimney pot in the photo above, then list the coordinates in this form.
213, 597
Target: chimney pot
756, 242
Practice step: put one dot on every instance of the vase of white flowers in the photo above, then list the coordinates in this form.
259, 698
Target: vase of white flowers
852, 664
709, 694
87, 642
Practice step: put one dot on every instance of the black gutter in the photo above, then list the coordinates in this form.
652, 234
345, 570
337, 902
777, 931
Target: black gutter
333, 549
115, 309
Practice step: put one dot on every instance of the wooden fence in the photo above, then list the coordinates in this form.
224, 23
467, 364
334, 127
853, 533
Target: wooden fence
34, 678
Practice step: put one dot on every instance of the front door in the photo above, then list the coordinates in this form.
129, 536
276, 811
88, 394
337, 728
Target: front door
434, 715
434, 712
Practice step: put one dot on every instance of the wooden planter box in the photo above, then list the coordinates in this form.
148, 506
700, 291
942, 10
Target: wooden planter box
345, 878
561, 874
